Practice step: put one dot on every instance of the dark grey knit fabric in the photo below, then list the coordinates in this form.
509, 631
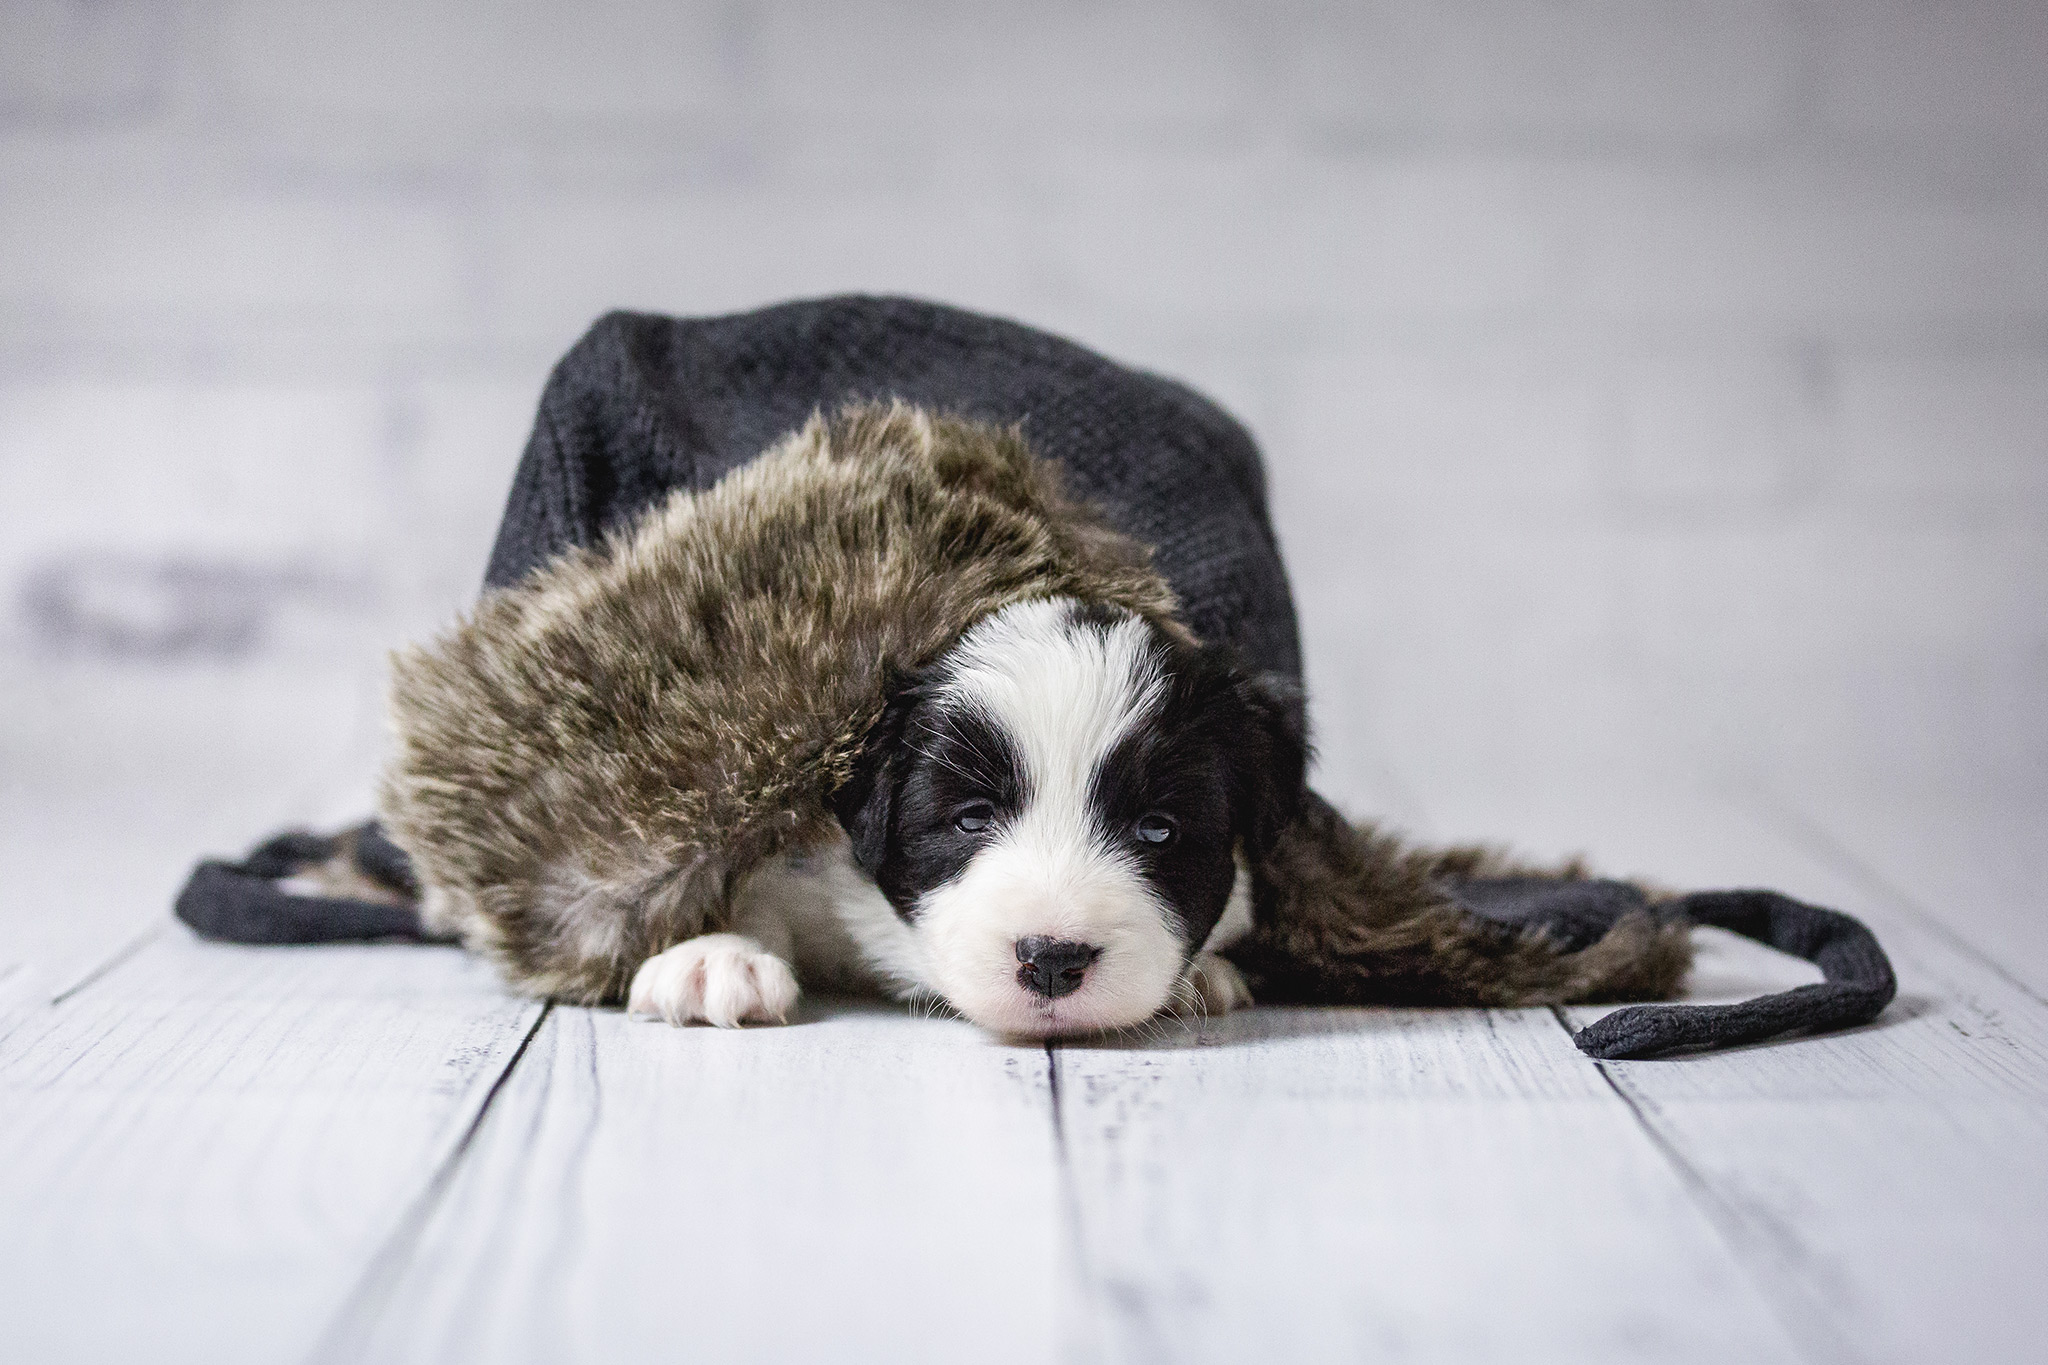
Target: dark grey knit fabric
646, 404
1857, 976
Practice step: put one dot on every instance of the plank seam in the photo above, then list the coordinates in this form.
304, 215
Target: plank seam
32, 1005
1093, 1293
120, 955
378, 1277
1810, 1333
1070, 1199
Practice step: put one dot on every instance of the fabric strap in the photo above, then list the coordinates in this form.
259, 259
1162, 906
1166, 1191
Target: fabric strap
1858, 980
245, 902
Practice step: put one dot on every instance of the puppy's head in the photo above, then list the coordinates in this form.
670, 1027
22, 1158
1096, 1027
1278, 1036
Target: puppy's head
1055, 810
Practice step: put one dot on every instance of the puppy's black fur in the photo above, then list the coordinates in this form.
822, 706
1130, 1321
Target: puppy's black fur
918, 767
1218, 766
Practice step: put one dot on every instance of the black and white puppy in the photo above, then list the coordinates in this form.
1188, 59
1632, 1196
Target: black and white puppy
1048, 831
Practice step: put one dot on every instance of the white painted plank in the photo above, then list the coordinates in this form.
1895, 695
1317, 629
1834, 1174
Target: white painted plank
200, 1149
116, 778
1311, 1185
864, 1184
1888, 1186
1970, 861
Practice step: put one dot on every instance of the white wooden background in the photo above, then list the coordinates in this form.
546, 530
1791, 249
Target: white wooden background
1657, 403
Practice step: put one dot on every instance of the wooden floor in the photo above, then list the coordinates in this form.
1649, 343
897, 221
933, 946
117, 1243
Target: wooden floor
223, 1154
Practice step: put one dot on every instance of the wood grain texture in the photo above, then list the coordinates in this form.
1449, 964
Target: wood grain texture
201, 1148
224, 1154
864, 1184
1887, 1187
1315, 1185
114, 779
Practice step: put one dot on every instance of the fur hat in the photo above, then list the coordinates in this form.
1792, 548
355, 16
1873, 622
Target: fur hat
644, 722
686, 641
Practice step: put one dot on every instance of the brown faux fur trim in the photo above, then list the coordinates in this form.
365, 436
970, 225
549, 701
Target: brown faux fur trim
1349, 914
341, 875
590, 761
587, 763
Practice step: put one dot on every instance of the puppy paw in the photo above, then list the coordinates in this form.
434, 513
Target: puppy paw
1218, 985
722, 979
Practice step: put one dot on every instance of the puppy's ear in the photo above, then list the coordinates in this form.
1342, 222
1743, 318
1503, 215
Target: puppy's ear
1269, 759
866, 802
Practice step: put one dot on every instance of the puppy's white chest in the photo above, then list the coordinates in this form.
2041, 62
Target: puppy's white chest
827, 917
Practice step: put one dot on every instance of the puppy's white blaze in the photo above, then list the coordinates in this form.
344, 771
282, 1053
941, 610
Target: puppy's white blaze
1064, 696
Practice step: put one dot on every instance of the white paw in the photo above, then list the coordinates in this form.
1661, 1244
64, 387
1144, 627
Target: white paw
722, 979
1219, 986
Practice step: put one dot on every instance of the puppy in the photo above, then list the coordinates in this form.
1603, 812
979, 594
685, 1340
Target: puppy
1047, 831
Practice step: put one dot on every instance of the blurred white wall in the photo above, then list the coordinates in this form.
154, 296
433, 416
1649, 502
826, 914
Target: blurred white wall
1646, 386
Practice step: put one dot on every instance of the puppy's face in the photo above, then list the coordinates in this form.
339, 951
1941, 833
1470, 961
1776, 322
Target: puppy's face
1054, 811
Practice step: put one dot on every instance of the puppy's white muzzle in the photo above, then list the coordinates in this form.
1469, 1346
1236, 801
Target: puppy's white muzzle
1044, 935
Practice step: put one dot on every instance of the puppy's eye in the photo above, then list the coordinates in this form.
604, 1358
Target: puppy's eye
1156, 829
974, 817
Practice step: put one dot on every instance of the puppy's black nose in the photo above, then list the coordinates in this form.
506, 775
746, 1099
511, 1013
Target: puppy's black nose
1053, 967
